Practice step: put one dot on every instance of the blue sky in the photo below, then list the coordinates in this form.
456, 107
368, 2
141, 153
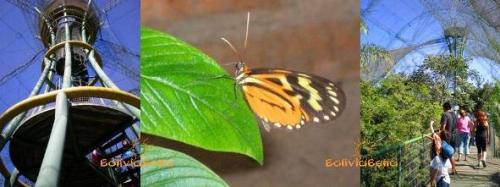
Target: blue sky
396, 24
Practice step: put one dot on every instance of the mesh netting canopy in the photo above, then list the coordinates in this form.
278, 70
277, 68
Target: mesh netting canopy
411, 29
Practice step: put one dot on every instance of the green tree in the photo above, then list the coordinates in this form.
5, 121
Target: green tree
487, 98
449, 78
395, 110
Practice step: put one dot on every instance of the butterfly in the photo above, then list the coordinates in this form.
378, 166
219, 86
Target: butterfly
285, 98
289, 99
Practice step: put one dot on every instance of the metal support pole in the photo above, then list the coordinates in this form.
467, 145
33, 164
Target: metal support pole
493, 140
84, 22
12, 125
108, 83
400, 152
135, 126
52, 65
67, 59
423, 164
50, 77
13, 178
137, 129
51, 164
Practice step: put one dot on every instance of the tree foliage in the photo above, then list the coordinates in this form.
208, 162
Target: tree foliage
488, 99
395, 110
449, 78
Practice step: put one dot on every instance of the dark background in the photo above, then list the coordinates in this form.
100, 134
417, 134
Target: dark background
320, 37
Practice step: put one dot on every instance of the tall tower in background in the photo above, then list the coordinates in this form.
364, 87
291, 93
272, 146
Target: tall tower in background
455, 38
76, 121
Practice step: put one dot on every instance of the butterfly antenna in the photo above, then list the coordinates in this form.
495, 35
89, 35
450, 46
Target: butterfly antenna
233, 48
229, 64
246, 32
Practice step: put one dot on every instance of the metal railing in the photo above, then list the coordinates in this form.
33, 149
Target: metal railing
413, 158
494, 142
75, 102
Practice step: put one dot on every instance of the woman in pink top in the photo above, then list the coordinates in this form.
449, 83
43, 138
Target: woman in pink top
463, 128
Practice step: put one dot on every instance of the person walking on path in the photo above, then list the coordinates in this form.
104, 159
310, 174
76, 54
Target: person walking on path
448, 122
463, 126
472, 135
482, 131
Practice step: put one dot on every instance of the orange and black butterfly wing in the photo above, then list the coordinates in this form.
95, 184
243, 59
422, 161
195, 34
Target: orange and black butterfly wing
292, 99
271, 103
322, 100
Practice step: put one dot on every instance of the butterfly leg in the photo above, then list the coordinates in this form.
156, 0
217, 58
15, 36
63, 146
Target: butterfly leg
235, 93
235, 88
222, 77
204, 79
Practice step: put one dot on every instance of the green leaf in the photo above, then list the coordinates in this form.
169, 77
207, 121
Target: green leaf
186, 96
165, 167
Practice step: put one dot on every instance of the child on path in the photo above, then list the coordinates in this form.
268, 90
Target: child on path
441, 153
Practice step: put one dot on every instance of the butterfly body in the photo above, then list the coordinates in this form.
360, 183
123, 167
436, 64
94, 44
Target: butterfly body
289, 99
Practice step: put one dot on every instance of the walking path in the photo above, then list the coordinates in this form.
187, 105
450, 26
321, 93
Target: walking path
470, 175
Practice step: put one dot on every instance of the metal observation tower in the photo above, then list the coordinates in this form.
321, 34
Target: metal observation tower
75, 117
